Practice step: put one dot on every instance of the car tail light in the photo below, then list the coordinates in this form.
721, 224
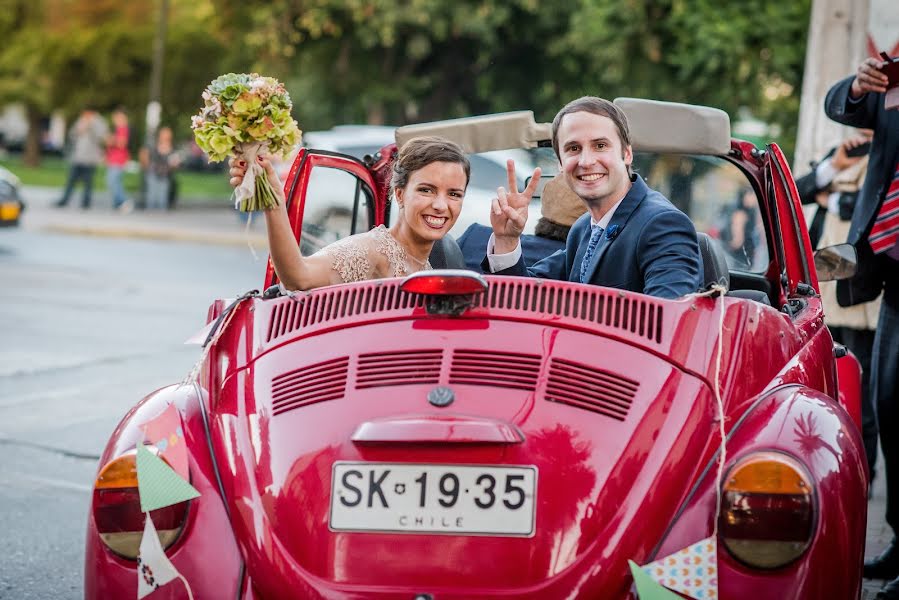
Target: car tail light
117, 514
768, 510
446, 291
444, 282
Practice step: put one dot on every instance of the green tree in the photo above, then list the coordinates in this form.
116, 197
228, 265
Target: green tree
398, 61
66, 55
727, 55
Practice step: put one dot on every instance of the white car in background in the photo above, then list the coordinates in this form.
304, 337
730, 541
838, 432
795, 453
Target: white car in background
488, 171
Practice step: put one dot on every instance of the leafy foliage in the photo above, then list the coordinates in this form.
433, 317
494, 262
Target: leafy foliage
398, 61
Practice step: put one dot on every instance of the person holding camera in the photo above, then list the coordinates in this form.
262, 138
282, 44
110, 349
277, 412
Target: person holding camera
862, 100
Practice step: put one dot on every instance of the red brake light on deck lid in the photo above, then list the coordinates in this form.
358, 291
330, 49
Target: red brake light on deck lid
444, 282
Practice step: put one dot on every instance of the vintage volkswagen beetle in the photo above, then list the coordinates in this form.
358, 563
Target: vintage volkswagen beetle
452, 436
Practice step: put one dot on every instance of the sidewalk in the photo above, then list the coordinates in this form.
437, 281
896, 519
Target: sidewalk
879, 533
210, 223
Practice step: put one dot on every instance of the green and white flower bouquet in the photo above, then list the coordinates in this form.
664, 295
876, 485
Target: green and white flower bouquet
246, 115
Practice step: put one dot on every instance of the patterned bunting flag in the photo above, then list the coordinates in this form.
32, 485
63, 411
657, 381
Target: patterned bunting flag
154, 568
165, 432
692, 571
157, 484
647, 588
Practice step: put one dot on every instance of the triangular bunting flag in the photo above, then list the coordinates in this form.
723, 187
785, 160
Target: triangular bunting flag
692, 571
647, 589
165, 432
157, 484
154, 568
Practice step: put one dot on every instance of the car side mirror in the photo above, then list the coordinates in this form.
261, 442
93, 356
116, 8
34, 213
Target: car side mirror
544, 179
836, 262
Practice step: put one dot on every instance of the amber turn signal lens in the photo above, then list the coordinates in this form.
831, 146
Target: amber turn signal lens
117, 513
768, 510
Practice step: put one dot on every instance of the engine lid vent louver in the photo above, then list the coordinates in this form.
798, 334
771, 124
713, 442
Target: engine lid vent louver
308, 385
640, 316
322, 306
498, 369
590, 389
398, 368
535, 298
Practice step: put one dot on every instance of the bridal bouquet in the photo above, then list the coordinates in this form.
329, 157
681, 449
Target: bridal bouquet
246, 115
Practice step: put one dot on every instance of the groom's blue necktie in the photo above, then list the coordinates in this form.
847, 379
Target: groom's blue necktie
595, 236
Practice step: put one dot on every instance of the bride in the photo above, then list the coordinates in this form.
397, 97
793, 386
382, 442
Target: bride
429, 179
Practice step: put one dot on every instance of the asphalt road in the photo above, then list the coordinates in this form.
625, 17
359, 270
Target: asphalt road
88, 326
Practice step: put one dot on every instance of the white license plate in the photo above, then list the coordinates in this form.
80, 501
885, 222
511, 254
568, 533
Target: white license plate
455, 499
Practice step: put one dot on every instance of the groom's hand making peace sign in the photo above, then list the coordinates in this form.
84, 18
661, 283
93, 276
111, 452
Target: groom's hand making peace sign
509, 210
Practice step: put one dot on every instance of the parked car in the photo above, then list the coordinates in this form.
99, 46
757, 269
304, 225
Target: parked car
11, 203
449, 435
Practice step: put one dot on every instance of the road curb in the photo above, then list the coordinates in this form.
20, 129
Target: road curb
258, 242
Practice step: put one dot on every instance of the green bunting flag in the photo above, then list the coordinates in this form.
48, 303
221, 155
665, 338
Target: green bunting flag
158, 484
647, 589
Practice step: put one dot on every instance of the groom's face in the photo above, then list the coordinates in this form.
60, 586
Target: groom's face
593, 159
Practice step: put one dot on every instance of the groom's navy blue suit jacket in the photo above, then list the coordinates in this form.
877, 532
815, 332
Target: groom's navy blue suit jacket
649, 246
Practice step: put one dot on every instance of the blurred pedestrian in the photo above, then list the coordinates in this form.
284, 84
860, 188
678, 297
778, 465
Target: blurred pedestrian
834, 184
858, 101
816, 186
116, 158
86, 138
740, 233
159, 161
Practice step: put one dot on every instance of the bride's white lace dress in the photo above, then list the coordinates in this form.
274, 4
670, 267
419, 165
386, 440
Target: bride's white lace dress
372, 255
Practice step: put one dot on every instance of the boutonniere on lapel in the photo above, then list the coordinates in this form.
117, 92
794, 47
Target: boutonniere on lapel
612, 231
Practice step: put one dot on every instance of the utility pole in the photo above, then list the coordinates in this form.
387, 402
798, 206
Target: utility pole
837, 43
154, 106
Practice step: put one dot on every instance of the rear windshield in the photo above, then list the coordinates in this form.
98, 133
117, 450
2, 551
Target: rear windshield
713, 192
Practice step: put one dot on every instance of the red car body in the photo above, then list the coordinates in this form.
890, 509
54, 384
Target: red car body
608, 396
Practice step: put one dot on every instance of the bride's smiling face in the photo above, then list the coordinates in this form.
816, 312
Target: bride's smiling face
432, 199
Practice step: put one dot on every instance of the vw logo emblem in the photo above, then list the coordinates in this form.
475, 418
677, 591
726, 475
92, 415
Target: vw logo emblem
441, 396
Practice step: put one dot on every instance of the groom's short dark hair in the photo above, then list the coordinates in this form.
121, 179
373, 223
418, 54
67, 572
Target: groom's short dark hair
597, 106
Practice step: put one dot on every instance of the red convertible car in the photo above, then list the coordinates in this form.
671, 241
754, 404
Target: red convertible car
453, 435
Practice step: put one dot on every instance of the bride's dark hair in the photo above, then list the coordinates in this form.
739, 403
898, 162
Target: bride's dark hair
418, 153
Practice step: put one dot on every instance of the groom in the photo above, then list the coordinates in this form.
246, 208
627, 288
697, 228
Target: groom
631, 237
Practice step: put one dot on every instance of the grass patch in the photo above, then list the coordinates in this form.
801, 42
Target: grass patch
52, 172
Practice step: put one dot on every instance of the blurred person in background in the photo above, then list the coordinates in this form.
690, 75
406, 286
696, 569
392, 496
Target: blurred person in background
159, 162
816, 185
740, 234
560, 207
834, 184
86, 139
116, 158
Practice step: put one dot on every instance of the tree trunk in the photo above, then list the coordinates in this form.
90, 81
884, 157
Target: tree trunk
31, 155
836, 45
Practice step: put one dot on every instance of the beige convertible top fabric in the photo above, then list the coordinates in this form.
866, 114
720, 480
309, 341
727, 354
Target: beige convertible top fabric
655, 127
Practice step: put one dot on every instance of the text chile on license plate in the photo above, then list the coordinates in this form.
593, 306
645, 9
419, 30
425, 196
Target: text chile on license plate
412, 498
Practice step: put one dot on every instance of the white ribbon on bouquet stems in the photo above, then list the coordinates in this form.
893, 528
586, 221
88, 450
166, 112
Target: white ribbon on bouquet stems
249, 151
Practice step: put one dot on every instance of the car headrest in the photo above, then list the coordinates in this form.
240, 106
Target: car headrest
446, 254
714, 262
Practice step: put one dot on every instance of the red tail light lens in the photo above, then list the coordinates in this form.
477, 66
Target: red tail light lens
117, 514
768, 510
444, 282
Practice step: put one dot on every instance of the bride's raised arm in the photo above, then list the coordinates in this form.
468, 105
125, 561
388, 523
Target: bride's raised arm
295, 272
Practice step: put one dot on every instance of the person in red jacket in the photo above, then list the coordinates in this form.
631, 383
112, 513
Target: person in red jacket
116, 158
